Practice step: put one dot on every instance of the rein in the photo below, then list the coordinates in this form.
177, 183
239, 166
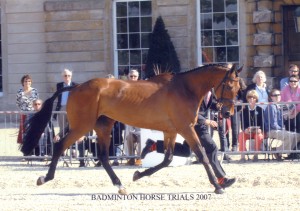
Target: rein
223, 99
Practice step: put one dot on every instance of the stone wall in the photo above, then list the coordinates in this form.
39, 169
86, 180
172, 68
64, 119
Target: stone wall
76, 37
265, 38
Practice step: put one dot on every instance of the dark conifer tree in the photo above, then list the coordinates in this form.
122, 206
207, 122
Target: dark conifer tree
161, 55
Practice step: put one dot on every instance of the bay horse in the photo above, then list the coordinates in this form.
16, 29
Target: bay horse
166, 102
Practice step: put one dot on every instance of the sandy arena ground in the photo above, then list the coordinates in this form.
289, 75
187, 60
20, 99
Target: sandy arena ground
260, 186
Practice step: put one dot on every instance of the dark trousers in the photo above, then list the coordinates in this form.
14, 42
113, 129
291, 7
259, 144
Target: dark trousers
182, 150
224, 143
235, 128
211, 149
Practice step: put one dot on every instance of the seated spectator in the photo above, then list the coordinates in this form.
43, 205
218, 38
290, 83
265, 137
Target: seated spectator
274, 125
291, 93
45, 143
293, 71
260, 86
252, 124
80, 144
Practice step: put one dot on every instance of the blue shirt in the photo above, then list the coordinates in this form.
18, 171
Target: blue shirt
64, 96
273, 118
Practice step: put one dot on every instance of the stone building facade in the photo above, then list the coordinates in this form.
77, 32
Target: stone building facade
41, 37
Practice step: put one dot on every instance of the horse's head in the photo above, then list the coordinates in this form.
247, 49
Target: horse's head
227, 90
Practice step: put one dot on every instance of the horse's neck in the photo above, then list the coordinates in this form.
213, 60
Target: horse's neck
203, 82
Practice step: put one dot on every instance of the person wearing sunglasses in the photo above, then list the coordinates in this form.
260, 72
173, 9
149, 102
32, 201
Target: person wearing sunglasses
44, 147
275, 128
293, 71
291, 93
252, 124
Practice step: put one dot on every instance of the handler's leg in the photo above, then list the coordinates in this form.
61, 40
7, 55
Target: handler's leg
211, 150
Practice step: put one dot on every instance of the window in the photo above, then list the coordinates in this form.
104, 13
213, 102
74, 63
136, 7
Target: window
132, 27
218, 40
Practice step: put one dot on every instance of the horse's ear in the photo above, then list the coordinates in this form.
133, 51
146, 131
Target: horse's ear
232, 69
240, 69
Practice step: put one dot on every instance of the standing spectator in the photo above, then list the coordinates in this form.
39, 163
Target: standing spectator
274, 125
293, 71
25, 97
252, 124
132, 134
260, 86
291, 93
235, 118
63, 98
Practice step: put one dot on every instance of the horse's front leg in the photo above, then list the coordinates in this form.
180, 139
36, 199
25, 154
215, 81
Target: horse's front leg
169, 142
193, 141
201, 154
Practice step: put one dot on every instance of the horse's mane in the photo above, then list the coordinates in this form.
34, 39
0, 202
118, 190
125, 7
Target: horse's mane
162, 77
202, 68
167, 76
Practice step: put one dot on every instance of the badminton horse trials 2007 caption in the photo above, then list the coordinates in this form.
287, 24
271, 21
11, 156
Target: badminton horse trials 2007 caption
153, 196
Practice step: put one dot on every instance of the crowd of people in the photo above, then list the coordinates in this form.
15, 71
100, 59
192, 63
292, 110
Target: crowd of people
263, 116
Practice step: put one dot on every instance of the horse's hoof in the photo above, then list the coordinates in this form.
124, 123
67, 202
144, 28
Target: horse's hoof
122, 191
136, 176
40, 181
219, 191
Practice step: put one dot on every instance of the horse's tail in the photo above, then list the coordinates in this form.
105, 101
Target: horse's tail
35, 126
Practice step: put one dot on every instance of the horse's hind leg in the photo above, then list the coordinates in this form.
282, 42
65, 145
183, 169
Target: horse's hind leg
169, 142
103, 129
59, 148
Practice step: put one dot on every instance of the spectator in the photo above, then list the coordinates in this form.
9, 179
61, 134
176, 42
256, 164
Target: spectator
291, 93
25, 97
293, 71
260, 86
63, 98
116, 140
82, 144
45, 143
252, 124
132, 134
235, 118
274, 125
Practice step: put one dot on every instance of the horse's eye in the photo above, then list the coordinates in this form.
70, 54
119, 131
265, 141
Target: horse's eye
229, 87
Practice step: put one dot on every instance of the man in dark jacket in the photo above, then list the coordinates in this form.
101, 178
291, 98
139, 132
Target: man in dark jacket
63, 98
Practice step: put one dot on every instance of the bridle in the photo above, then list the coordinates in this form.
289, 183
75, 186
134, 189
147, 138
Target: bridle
223, 84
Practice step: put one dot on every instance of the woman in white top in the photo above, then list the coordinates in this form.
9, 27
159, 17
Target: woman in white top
25, 96
260, 86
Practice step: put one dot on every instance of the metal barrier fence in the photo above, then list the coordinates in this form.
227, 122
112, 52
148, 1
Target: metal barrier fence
275, 141
87, 150
84, 149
